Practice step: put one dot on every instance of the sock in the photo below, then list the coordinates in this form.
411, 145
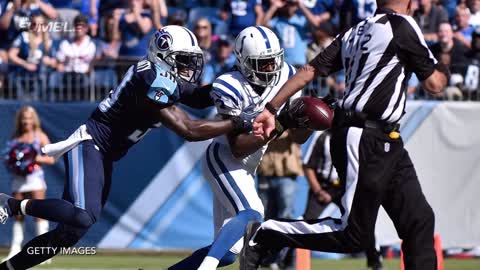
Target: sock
193, 261
23, 207
209, 263
232, 232
41, 226
14, 205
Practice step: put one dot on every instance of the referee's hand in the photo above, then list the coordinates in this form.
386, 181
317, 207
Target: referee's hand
264, 124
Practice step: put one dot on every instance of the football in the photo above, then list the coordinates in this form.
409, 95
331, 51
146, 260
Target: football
320, 115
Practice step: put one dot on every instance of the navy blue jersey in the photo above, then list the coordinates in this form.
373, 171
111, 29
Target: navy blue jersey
122, 119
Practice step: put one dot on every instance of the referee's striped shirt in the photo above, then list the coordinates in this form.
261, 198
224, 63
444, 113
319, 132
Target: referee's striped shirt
379, 55
318, 158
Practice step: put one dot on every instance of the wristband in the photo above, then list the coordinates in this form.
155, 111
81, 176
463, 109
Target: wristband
271, 108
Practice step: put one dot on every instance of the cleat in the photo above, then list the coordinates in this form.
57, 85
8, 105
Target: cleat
252, 253
5, 212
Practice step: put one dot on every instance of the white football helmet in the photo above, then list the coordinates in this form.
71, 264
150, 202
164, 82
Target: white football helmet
259, 55
177, 47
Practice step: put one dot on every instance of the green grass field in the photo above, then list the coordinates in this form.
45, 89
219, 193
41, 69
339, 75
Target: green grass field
123, 261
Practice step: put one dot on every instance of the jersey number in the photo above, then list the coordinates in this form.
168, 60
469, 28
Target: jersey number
138, 134
108, 102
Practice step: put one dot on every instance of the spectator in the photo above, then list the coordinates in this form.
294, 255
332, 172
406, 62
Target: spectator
90, 7
179, 17
75, 57
29, 181
354, 11
277, 183
15, 16
107, 7
324, 10
450, 51
106, 56
134, 28
203, 32
429, 17
223, 61
450, 7
322, 37
464, 30
159, 11
291, 28
474, 6
455, 55
108, 48
242, 13
30, 52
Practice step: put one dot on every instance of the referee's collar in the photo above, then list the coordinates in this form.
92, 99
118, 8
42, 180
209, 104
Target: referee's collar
384, 10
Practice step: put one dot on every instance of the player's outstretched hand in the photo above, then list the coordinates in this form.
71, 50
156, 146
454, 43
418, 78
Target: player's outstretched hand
264, 124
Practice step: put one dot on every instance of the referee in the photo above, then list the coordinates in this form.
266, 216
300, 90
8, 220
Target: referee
325, 187
379, 55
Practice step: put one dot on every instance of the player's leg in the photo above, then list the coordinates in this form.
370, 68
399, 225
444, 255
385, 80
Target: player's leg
192, 262
362, 162
86, 188
374, 256
235, 188
412, 216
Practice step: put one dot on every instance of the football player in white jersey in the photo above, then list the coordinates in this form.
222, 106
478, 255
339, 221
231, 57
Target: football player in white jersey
231, 160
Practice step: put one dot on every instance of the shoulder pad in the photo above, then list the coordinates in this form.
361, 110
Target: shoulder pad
162, 87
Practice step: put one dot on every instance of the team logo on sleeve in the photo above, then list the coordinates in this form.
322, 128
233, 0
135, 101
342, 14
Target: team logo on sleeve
158, 95
163, 40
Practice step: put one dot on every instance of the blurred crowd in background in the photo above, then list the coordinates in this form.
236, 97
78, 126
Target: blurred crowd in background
68, 50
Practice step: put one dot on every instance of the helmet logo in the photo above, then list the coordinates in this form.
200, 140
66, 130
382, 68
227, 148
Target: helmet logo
163, 40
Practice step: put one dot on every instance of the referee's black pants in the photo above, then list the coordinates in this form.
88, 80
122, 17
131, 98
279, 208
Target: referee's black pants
376, 170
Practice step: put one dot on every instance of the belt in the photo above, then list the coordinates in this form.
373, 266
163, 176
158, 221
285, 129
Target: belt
345, 118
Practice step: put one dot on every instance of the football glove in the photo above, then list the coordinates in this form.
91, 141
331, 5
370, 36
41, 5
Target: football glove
242, 123
292, 116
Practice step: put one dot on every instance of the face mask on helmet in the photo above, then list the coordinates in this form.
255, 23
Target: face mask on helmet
264, 70
187, 65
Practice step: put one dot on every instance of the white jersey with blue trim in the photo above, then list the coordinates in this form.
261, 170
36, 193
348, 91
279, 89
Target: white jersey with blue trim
234, 95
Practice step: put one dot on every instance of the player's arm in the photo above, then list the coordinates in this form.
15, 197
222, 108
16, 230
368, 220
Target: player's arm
291, 118
413, 51
194, 96
177, 120
325, 63
245, 144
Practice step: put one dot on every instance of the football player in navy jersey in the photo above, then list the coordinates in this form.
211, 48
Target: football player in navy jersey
143, 100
